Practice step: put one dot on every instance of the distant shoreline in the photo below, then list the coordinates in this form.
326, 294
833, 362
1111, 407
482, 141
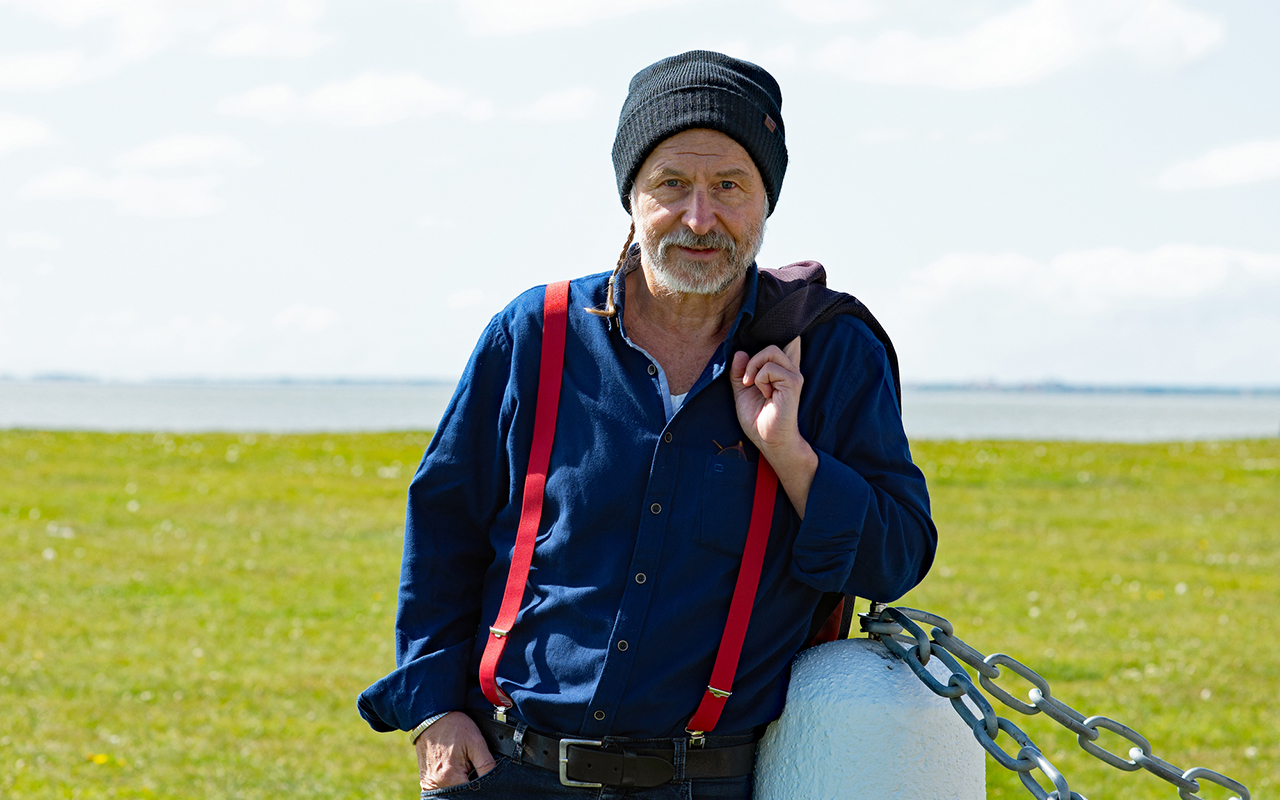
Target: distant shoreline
87, 379
1046, 387
1084, 388
1050, 411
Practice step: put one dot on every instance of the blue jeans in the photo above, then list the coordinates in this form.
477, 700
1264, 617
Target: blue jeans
510, 780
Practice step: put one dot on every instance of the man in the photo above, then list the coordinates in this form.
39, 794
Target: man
663, 417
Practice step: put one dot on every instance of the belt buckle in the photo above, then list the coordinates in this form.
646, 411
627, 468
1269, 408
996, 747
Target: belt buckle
564, 761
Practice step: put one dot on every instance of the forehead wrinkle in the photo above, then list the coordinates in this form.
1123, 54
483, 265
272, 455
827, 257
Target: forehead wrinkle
661, 169
724, 156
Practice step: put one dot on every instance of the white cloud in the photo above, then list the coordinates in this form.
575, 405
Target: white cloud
139, 29
504, 17
1025, 44
433, 222
990, 135
778, 56
828, 11
1103, 279
19, 132
275, 103
32, 240
260, 40
466, 298
133, 194
32, 71
187, 151
136, 190
889, 135
380, 98
1248, 162
283, 31
562, 106
367, 100
1160, 33
884, 135
309, 319
1107, 314
179, 337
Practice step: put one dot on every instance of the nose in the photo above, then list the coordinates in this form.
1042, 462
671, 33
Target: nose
698, 214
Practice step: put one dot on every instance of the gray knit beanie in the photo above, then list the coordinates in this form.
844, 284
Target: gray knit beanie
702, 89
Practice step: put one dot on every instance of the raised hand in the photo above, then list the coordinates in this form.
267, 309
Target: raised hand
766, 393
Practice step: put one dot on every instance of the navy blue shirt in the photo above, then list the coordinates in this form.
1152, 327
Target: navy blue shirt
643, 527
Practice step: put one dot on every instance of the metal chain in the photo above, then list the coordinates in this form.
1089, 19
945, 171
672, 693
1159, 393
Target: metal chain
897, 628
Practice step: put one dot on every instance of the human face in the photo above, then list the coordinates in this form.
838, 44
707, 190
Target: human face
699, 208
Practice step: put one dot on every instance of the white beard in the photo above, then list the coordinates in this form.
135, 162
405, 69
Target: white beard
681, 276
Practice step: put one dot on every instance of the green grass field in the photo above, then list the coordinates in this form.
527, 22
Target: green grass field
192, 616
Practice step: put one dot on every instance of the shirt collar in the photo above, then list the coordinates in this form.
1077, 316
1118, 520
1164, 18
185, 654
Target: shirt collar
745, 312
723, 356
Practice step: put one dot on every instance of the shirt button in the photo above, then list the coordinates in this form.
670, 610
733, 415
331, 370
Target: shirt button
656, 508
599, 715
653, 370
641, 577
622, 645
667, 437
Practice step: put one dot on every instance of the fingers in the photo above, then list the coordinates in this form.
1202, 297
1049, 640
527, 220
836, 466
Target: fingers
792, 352
450, 750
766, 389
452, 774
765, 378
478, 754
769, 366
738, 369
441, 766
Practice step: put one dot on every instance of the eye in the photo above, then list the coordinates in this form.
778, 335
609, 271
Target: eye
671, 183
727, 184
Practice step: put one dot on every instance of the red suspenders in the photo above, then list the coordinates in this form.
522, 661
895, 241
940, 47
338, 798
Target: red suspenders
744, 595
555, 319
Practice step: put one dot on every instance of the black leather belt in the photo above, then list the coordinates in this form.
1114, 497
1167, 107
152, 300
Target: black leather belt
592, 763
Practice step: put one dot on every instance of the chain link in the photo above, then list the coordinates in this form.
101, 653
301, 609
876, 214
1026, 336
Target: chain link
901, 634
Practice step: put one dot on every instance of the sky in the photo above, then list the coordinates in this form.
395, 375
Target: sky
1085, 191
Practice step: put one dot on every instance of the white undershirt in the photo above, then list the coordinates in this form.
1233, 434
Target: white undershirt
674, 400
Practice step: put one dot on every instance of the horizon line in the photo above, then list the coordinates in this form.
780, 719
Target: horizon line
986, 385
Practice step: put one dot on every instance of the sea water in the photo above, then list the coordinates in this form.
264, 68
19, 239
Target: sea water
927, 413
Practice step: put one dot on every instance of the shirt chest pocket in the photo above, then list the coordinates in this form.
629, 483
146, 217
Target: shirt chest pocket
724, 507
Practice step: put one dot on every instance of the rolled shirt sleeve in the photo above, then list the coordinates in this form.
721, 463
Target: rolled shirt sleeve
867, 529
453, 500
427, 685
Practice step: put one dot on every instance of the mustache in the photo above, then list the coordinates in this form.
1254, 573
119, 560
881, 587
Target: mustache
683, 237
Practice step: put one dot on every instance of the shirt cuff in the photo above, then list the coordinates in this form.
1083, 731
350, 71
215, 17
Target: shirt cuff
826, 546
419, 689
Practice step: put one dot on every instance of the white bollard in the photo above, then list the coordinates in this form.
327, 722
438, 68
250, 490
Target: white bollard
859, 725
